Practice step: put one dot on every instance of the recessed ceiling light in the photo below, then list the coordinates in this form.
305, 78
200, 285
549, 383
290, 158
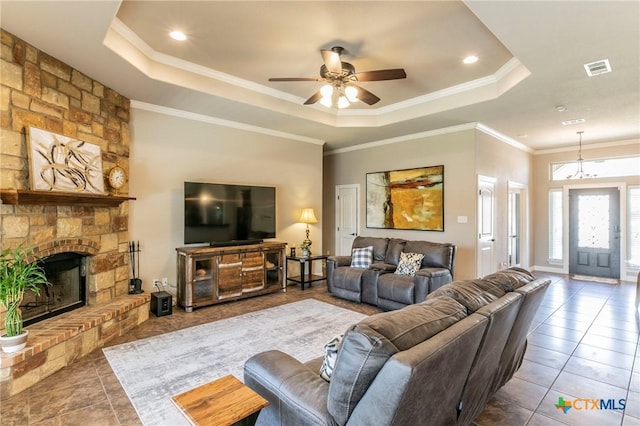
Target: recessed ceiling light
561, 108
574, 121
470, 59
178, 35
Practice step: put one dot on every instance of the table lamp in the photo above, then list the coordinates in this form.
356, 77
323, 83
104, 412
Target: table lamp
307, 216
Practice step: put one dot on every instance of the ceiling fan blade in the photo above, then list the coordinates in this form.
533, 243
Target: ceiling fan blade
392, 74
366, 96
332, 61
295, 79
314, 98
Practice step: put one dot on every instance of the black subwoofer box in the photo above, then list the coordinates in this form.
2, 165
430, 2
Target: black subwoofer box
161, 303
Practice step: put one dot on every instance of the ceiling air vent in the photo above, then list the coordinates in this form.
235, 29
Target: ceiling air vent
574, 121
597, 67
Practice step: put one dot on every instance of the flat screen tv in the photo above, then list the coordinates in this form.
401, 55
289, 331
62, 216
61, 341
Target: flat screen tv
221, 214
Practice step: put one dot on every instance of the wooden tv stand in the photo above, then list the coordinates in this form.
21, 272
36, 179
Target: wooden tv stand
210, 275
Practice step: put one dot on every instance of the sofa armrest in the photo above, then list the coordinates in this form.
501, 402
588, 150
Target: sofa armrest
383, 267
421, 284
339, 260
432, 278
296, 393
332, 263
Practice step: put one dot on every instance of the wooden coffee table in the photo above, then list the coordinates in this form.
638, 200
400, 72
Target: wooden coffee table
225, 401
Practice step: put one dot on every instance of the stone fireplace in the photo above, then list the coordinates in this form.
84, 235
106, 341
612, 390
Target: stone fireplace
41, 91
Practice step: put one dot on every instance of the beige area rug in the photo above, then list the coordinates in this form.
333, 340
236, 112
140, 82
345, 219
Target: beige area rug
152, 370
595, 279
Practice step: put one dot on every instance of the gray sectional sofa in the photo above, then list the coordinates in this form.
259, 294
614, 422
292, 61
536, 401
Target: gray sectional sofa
437, 362
378, 285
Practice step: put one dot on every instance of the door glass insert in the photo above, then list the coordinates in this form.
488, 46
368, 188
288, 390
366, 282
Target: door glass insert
593, 221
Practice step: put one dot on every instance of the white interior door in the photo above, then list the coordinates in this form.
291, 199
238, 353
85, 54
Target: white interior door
347, 201
486, 225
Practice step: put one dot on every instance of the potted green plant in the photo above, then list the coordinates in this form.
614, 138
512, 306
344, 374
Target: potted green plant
306, 248
16, 276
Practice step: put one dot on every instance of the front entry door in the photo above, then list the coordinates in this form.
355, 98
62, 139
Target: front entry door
594, 232
346, 218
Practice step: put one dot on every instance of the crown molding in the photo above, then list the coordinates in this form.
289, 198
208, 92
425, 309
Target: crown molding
445, 130
404, 138
162, 67
588, 147
221, 122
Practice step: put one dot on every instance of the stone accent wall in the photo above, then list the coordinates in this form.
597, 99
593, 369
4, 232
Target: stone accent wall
38, 90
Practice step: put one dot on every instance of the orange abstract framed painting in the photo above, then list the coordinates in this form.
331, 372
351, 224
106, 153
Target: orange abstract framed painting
406, 199
64, 164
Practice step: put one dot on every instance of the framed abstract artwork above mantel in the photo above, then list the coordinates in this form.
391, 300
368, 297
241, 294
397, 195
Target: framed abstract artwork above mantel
410, 199
64, 164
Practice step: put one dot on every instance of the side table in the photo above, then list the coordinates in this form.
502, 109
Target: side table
306, 269
223, 402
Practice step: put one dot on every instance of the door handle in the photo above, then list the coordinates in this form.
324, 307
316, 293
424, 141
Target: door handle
354, 234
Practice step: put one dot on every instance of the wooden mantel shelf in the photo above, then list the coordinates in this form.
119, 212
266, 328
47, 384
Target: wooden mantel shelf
48, 198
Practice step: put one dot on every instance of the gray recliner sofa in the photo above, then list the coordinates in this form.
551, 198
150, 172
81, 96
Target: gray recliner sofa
378, 285
432, 363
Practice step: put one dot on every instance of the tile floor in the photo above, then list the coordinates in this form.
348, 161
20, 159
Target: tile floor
583, 344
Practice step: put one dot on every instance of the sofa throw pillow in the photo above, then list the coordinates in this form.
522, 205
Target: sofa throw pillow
409, 263
362, 257
330, 355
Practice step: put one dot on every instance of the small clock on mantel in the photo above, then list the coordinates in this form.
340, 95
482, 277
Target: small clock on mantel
117, 178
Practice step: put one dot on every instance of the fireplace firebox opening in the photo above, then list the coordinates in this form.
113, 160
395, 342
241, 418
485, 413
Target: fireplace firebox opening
66, 273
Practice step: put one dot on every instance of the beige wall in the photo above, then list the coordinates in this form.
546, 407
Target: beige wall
464, 154
454, 150
506, 164
166, 151
542, 185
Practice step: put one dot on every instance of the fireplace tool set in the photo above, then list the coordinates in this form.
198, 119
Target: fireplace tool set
135, 283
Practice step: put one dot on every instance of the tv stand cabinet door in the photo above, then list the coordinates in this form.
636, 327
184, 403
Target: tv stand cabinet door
252, 271
199, 285
229, 275
274, 268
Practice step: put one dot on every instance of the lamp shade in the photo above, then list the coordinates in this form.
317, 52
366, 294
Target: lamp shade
308, 216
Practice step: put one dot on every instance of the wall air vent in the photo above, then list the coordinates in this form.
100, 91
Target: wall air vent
597, 67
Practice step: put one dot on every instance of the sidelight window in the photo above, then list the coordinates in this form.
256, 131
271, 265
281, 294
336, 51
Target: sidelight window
633, 216
555, 226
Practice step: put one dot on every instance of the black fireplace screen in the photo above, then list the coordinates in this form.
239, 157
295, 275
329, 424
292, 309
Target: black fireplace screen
66, 273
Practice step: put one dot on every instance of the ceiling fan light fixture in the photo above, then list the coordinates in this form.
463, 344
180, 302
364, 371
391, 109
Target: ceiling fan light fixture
351, 93
326, 91
326, 101
343, 102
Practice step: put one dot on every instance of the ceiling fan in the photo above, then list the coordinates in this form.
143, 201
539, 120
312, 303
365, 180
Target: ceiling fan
341, 77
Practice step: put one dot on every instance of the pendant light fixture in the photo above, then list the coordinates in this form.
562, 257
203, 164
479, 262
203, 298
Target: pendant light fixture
580, 174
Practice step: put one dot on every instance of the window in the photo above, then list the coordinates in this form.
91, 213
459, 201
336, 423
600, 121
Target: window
633, 217
604, 168
555, 226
